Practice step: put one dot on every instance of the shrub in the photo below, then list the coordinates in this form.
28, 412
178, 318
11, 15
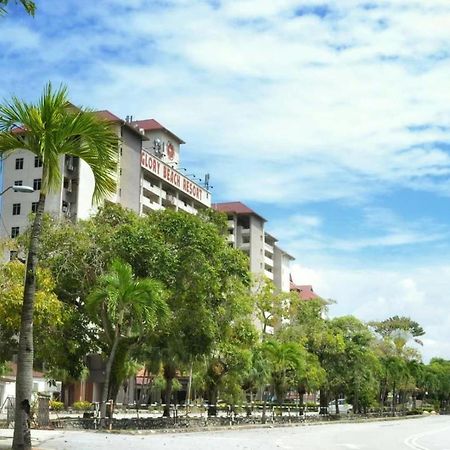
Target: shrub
82, 406
56, 406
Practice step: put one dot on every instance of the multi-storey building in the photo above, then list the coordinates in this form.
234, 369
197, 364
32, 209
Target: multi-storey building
147, 178
246, 232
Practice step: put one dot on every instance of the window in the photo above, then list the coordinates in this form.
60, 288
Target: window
16, 209
37, 184
13, 254
18, 183
15, 232
34, 207
37, 161
19, 163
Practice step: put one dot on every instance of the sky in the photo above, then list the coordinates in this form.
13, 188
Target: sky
329, 118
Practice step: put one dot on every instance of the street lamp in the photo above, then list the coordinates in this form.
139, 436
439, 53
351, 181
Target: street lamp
23, 189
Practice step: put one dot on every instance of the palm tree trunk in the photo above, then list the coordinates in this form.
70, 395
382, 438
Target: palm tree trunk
168, 397
109, 365
24, 378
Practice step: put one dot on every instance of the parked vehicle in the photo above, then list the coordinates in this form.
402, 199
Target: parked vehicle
343, 407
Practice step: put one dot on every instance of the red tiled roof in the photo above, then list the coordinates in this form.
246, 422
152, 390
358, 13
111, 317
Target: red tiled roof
151, 125
305, 291
18, 130
13, 371
235, 208
104, 114
108, 115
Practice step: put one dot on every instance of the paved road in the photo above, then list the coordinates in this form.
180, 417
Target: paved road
429, 433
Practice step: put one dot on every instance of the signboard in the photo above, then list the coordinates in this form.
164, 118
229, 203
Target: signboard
173, 177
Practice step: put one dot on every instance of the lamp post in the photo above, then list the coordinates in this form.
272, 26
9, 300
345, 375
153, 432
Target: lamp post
23, 189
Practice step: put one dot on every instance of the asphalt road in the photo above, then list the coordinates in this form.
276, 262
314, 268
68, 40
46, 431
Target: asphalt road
428, 433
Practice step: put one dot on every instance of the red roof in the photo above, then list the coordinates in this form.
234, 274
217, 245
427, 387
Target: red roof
305, 291
235, 208
151, 125
13, 371
110, 117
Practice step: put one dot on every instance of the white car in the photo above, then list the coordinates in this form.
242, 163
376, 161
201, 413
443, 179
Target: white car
344, 408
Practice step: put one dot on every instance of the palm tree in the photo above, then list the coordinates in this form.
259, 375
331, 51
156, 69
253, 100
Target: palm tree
127, 308
50, 129
286, 360
28, 5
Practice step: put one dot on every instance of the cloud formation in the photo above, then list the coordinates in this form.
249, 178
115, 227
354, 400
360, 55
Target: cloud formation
331, 117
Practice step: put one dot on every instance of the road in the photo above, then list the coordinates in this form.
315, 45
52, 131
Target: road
428, 433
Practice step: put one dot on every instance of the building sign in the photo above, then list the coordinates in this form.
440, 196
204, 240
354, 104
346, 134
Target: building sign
173, 177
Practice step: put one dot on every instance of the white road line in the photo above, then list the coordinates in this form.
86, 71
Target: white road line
411, 441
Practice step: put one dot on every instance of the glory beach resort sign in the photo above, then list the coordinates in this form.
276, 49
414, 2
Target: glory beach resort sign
173, 177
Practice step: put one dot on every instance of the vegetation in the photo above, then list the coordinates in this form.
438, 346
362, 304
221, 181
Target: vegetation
50, 129
167, 293
28, 5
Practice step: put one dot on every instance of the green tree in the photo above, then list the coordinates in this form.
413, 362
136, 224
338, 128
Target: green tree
49, 311
28, 5
126, 308
320, 337
394, 353
271, 305
52, 128
206, 279
286, 360
356, 368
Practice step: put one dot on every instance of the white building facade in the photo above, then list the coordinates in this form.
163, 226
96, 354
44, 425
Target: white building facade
246, 231
148, 179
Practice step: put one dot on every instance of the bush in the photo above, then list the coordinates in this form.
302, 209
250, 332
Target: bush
82, 406
55, 405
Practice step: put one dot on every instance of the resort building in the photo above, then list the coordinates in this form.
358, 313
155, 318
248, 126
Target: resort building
246, 231
147, 178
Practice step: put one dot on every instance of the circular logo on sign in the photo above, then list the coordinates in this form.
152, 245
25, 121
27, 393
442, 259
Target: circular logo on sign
170, 150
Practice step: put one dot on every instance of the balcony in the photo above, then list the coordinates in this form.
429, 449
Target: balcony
230, 224
230, 238
268, 274
145, 201
268, 261
245, 246
153, 189
268, 248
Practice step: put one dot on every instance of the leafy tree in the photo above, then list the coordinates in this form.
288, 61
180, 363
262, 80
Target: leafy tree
126, 308
229, 363
28, 5
436, 382
50, 313
394, 353
206, 279
272, 305
356, 368
320, 337
52, 129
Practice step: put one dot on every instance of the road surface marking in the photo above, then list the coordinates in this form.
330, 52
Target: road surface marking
411, 441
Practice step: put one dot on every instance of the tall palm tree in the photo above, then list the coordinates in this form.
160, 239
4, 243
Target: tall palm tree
52, 128
286, 361
127, 308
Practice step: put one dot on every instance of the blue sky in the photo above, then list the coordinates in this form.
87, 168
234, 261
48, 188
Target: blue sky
331, 119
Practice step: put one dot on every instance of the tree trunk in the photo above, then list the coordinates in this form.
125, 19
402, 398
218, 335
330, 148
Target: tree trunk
189, 388
105, 391
24, 378
212, 401
168, 397
323, 402
394, 394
